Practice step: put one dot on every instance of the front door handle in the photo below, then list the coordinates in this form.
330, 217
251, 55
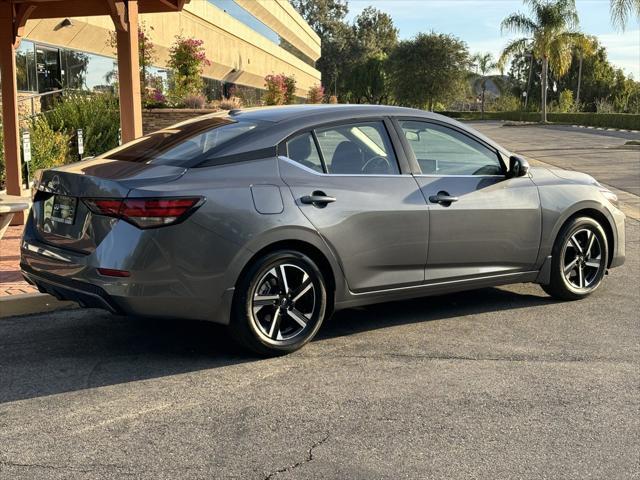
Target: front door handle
443, 198
318, 199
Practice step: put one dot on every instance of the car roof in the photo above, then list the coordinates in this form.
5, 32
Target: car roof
279, 122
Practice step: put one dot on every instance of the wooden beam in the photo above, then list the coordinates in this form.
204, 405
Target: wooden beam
129, 75
10, 129
22, 13
88, 8
118, 12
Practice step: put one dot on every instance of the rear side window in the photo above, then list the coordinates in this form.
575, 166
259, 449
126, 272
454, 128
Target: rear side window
182, 143
302, 149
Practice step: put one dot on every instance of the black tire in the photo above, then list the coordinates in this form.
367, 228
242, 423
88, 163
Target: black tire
573, 271
268, 312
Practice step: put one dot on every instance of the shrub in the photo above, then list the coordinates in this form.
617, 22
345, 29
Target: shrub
333, 99
98, 116
627, 121
230, 103
290, 89
276, 89
604, 106
315, 94
186, 59
49, 148
566, 103
505, 103
195, 101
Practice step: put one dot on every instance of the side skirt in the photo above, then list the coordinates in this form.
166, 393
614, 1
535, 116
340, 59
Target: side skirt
379, 296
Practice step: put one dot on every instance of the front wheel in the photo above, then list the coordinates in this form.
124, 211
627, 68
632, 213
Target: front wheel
579, 261
280, 303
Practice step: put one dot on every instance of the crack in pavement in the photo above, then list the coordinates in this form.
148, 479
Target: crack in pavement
308, 459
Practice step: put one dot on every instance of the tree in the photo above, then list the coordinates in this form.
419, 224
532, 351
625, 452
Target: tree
583, 49
550, 33
427, 69
186, 59
622, 10
368, 81
484, 63
322, 15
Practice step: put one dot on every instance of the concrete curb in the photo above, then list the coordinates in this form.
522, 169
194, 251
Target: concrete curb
31, 303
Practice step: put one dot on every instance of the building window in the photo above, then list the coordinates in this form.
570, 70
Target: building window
26, 67
236, 11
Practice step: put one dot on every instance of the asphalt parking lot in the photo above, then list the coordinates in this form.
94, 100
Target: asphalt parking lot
494, 383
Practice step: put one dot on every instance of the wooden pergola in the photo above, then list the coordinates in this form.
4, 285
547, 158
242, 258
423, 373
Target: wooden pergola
13, 17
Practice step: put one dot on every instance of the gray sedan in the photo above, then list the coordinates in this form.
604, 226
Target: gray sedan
268, 220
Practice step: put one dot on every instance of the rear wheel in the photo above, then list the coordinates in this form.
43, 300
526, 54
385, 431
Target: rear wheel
280, 303
579, 261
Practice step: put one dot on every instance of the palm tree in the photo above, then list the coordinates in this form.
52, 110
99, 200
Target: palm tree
622, 10
551, 34
583, 48
484, 63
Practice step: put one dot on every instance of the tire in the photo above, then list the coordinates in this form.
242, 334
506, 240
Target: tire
280, 303
579, 260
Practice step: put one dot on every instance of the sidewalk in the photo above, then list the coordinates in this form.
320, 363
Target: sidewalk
11, 281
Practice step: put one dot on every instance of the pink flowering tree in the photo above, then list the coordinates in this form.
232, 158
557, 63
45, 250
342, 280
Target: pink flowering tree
280, 89
187, 60
315, 94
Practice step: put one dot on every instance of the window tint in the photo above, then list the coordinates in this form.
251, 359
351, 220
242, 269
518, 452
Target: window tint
362, 149
303, 150
444, 151
182, 142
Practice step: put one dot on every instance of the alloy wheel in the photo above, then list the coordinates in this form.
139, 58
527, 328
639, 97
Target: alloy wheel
284, 302
583, 260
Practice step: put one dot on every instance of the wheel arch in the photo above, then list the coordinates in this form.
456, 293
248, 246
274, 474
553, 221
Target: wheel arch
597, 214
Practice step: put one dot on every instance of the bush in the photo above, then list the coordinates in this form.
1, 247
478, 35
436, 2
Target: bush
505, 103
281, 89
230, 103
195, 101
49, 148
315, 94
98, 116
626, 121
186, 59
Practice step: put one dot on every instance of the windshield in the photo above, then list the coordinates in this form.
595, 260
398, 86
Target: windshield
181, 143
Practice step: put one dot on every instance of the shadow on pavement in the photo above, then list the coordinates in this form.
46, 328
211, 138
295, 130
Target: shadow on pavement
81, 349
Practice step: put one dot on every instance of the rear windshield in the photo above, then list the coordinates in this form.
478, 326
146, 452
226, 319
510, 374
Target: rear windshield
185, 143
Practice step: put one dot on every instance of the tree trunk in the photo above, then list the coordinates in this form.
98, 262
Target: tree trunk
482, 104
526, 99
579, 80
545, 79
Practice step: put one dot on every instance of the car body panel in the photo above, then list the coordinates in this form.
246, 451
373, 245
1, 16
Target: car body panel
494, 227
378, 224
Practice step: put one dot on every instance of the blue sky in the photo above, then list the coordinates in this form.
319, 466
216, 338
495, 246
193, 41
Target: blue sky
477, 22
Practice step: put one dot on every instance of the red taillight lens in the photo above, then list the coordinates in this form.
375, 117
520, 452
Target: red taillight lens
144, 212
110, 272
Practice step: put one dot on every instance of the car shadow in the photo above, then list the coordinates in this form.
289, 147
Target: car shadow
82, 349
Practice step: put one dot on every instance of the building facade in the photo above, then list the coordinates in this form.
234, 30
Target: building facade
244, 40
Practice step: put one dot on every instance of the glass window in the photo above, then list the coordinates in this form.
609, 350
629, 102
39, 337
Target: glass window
26, 67
184, 142
444, 151
361, 149
232, 8
302, 149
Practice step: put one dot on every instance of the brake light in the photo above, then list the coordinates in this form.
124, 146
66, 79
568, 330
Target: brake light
144, 212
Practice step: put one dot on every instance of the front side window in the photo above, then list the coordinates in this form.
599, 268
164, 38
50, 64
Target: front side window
358, 149
443, 151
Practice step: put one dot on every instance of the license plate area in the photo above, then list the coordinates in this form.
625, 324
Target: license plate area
60, 209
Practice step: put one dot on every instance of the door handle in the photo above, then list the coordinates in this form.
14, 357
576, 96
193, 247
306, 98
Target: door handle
318, 199
443, 198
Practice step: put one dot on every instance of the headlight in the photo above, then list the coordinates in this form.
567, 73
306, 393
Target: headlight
609, 195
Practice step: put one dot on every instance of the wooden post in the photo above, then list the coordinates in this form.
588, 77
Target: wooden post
10, 127
129, 70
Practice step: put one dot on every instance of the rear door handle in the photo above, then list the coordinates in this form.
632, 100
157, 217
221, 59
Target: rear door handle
318, 199
443, 198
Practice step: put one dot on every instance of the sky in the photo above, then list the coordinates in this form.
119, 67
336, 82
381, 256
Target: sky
477, 22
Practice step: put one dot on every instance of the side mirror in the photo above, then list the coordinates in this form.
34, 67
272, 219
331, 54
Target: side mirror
518, 167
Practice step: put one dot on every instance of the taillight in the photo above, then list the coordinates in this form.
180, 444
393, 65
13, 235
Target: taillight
144, 212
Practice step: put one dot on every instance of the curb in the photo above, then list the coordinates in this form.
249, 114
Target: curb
31, 303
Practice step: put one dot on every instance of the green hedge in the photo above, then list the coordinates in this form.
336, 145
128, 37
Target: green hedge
625, 121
